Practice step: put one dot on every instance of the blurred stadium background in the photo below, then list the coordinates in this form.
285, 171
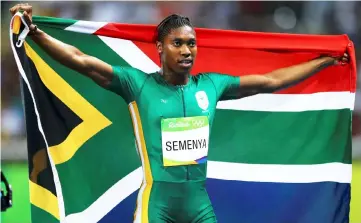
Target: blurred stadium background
314, 17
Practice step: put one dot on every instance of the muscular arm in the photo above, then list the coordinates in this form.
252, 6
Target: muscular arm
99, 71
282, 78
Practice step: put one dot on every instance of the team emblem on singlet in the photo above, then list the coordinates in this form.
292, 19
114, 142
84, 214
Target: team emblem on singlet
202, 100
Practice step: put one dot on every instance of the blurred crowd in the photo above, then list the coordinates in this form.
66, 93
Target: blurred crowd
314, 17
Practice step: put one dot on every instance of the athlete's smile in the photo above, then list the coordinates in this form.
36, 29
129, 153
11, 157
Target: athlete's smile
186, 63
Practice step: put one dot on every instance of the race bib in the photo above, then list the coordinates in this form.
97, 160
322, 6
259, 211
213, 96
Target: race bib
185, 140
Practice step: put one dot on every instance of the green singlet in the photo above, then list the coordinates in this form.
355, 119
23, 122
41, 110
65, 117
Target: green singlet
172, 126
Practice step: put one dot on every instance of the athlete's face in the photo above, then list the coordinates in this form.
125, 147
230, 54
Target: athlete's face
178, 50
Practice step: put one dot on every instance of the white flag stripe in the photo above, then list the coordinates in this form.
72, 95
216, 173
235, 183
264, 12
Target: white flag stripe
329, 172
107, 201
131, 54
82, 26
292, 102
139, 211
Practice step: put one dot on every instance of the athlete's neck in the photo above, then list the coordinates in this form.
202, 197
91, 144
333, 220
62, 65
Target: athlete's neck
174, 78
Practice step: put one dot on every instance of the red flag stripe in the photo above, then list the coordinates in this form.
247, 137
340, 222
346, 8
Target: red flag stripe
241, 53
237, 39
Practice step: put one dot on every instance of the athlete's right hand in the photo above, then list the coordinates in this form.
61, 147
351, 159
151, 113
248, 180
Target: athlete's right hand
26, 8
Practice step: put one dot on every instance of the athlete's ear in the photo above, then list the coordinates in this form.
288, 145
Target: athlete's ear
159, 47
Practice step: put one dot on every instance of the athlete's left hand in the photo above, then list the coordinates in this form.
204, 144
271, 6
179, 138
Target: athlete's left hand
342, 60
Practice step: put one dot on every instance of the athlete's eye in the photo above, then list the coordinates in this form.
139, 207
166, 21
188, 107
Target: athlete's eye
177, 43
192, 43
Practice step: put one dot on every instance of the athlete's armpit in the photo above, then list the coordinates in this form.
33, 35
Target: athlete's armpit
127, 82
227, 86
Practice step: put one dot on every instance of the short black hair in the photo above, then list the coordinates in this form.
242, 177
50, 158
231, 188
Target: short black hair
173, 21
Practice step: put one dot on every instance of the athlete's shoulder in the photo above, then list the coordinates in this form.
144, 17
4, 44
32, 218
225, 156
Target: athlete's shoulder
219, 80
208, 76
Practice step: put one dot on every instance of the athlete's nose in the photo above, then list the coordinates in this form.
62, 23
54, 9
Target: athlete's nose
185, 52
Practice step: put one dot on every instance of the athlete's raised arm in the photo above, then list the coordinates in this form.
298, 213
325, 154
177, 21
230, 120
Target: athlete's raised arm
99, 71
285, 77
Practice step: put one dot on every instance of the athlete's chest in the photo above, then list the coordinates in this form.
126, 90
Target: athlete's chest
196, 99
